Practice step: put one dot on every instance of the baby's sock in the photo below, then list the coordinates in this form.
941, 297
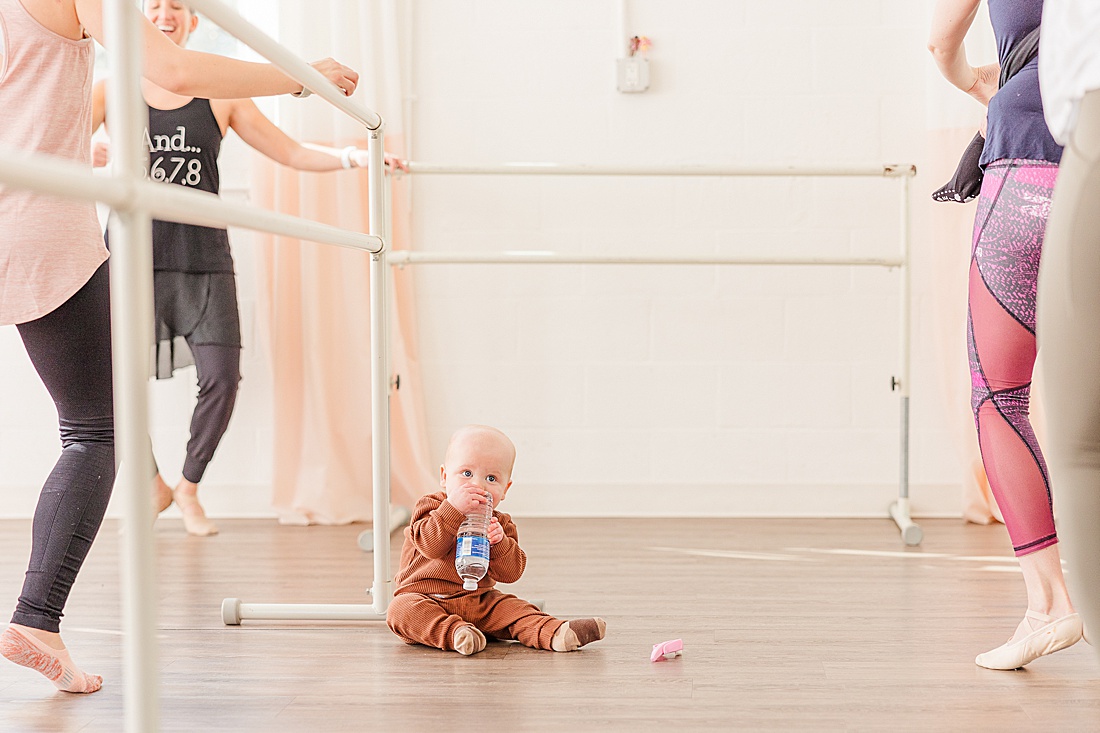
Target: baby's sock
572, 635
55, 664
469, 640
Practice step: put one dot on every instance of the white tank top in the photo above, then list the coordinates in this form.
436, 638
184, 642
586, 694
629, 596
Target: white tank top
1069, 60
49, 247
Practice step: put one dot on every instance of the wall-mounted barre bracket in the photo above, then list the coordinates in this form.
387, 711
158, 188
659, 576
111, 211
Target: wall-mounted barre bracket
899, 170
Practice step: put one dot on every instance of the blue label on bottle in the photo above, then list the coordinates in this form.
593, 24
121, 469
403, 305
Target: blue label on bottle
472, 547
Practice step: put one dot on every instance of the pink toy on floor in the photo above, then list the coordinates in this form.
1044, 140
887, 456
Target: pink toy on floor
667, 650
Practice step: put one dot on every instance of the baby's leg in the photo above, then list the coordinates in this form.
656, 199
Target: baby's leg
507, 617
421, 619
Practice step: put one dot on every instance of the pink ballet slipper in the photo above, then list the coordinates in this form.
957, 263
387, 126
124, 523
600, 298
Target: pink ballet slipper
667, 650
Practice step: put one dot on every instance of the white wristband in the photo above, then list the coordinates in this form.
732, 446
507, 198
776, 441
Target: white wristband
345, 156
301, 94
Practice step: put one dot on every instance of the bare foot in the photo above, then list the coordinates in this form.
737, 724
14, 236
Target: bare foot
194, 518
45, 653
162, 495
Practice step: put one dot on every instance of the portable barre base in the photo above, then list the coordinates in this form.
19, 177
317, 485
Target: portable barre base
911, 533
399, 517
234, 611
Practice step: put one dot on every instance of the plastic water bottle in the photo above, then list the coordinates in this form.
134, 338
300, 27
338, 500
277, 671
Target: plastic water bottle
472, 546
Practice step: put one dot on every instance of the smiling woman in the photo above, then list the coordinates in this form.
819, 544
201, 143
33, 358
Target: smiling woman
195, 292
206, 37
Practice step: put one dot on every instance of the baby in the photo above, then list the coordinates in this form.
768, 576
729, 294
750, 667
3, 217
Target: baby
429, 605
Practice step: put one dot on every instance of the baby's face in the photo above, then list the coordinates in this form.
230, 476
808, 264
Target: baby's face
479, 460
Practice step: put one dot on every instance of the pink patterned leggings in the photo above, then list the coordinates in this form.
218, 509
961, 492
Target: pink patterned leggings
1004, 268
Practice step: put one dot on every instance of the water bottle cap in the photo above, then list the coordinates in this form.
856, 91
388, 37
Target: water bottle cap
469, 584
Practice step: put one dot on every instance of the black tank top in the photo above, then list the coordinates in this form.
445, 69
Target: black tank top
183, 147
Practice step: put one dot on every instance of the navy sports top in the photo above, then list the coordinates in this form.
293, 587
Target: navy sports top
1016, 127
183, 147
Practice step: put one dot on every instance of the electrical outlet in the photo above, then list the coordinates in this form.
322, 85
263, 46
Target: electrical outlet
633, 74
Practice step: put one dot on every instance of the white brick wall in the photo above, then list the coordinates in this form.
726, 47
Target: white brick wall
758, 390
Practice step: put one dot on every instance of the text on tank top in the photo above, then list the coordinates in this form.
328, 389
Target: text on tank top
183, 146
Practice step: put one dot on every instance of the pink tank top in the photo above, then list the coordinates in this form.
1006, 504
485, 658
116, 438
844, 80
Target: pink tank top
49, 247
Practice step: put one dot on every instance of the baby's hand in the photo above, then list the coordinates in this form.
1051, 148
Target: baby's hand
468, 498
496, 532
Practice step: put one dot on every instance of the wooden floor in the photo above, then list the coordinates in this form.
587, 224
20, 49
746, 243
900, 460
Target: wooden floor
816, 625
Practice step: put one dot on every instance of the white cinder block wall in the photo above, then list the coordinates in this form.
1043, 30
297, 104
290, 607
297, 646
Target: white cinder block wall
636, 390
690, 390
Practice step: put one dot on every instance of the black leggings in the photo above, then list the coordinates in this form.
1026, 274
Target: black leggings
71, 350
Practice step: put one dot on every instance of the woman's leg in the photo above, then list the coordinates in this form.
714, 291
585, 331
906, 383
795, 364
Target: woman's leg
1069, 332
1008, 237
219, 373
71, 350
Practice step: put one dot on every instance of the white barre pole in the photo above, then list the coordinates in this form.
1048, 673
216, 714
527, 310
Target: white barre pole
911, 533
233, 610
172, 203
131, 274
232, 23
404, 257
888, 170
380, 377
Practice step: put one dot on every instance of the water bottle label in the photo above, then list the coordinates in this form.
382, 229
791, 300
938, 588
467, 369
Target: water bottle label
472, 547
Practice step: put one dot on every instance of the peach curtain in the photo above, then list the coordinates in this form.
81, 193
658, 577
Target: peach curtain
952, 118
314, 299
949, 231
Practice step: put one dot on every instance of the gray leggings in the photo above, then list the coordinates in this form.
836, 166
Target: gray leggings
219, 373
1069, 340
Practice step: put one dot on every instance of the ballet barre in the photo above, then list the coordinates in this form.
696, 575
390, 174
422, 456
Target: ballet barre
898, 510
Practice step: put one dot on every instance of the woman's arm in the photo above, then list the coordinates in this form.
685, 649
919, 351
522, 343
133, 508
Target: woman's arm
262, 134
951, 19
99, 104
100, 150
196, 74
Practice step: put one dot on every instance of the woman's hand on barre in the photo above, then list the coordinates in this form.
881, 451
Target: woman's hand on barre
360, 159
344, 77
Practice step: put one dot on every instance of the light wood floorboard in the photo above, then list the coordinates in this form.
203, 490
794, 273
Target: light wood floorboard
781, 633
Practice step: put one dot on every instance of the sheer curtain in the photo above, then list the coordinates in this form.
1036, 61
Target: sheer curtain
314, 302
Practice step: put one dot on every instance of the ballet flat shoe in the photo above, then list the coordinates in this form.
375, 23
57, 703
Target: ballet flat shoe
1054, 635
